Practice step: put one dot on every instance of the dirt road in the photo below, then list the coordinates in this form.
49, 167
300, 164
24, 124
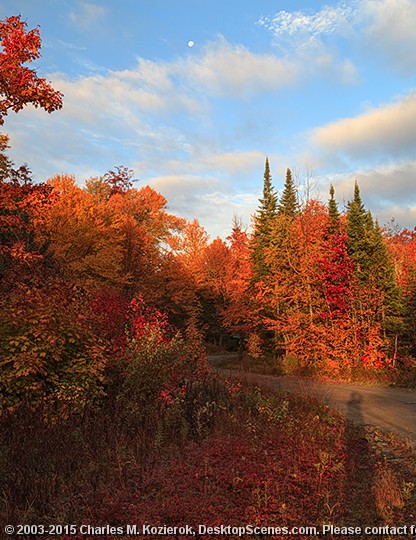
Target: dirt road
392, 409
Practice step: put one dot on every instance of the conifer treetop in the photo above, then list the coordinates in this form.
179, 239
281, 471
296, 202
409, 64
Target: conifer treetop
288, 204
333, 212
268, 203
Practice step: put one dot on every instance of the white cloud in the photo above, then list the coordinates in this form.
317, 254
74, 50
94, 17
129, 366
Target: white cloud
389, 185
232, 70
183, 184
150, 75
183, 85
388, 130
404, 216
391, 30
129, 116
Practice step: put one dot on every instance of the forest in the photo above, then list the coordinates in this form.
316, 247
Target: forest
88, 271
108, 304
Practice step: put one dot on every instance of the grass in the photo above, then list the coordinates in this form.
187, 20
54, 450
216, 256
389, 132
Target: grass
224, 455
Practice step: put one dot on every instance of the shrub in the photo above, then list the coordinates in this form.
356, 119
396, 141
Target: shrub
50, 357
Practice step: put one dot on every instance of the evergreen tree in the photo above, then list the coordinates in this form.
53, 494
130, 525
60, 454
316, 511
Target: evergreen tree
358, 222
288, 204
268, 203
336, 264
334, 216
377, 297
367, 247
263, 225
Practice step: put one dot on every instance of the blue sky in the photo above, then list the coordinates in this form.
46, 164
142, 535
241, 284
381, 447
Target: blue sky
327, 89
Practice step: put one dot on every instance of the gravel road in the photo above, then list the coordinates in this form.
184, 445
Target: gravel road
391, 409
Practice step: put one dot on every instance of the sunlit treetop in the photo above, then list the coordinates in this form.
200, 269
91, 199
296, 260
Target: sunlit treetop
20, 85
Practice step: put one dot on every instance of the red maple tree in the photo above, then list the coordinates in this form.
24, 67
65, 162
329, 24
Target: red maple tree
20, 85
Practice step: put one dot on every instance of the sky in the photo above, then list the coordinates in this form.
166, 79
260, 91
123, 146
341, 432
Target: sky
193, 95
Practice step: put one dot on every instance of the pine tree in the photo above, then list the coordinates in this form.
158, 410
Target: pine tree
263, 225
288, 204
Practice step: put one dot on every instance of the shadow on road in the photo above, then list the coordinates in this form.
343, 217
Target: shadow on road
359, 500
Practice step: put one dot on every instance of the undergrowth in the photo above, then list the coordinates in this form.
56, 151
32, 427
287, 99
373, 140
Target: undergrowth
213, 453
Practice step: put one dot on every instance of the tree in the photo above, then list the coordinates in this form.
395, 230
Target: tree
333, 212
402, 249
50, 355
269, 201
212, 289
23, 211
120, 180
288, 204
8, 170
336, 265
190, 246
291, 292
357, 219
263, 224
20, 85
376, 299
236, 315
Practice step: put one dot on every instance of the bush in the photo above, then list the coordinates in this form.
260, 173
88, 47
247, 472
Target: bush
50, 356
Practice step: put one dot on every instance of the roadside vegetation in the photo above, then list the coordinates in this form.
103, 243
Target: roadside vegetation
207, 452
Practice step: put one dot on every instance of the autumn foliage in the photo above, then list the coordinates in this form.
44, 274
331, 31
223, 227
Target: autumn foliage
87, 272
20, 85
329, 294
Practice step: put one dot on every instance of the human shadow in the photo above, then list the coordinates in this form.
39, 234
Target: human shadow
359, 503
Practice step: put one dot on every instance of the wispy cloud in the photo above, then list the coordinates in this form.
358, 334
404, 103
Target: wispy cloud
385, 28
232, 70
307, 37
208, 198
136, 109
385, 185
87, 14
326, 21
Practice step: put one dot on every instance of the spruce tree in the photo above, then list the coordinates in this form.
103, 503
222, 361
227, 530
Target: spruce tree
334, 221
357, 222
288, 204
383, 275
263, 225
377, 296
366, 245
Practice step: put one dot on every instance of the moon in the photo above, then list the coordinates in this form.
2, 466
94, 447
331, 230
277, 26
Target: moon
191, 43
